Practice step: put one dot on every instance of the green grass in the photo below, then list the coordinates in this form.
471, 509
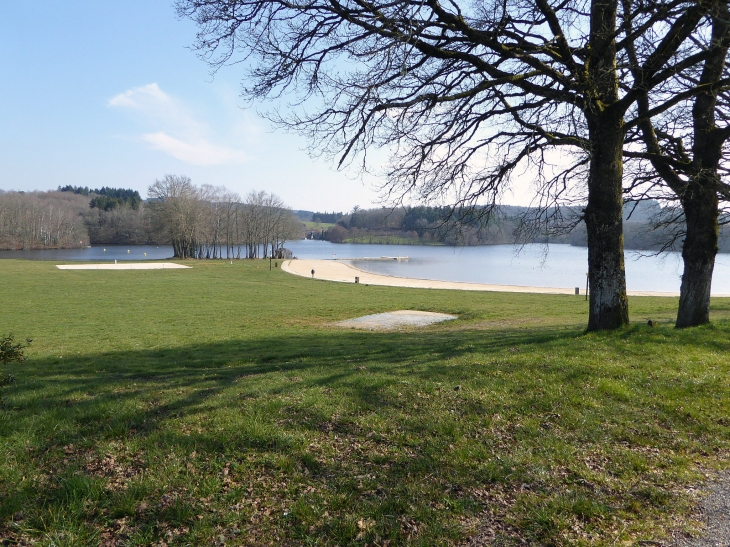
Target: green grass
390, 240
218, 405
309, 225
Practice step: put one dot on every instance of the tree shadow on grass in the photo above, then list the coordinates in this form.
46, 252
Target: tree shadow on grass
82, 387
294, 405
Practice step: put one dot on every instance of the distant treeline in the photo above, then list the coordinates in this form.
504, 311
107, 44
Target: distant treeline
75, 217
106, 198
257, 225
213, 221
647, 226
30, 220
426, 225
79, 190
318, 217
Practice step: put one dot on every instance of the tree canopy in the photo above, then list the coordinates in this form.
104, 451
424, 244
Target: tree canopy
462, 94
683, 155
204, 220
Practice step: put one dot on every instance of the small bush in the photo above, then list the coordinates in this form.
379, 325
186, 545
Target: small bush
10, 351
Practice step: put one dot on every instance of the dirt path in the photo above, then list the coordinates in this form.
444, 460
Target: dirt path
716, 513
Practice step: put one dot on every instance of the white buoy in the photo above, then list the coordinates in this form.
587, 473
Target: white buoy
127, 251
104, 250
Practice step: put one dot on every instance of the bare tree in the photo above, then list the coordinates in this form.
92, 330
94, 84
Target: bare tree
251, 214
230, 202
281, 224
121, 224
211, 239
179, 206
266, 224
461, 94
36, 220
686, 146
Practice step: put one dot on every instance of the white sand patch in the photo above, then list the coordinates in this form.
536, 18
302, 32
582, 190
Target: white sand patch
123, 266
332, 270
395, 320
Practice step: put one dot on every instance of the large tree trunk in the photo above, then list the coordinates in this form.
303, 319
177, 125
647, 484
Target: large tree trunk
609, 308
699, 198
698, 251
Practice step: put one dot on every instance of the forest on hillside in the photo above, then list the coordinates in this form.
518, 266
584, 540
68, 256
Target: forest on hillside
220, 223
211, 221
647, 226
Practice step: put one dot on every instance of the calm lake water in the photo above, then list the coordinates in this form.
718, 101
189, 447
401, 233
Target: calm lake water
557, 266
96, 253
534, 265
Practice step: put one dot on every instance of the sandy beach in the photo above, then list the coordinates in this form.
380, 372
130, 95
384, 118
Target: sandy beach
334, 270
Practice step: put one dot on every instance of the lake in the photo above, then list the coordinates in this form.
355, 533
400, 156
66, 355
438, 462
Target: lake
96, 253
533, 265
556, 266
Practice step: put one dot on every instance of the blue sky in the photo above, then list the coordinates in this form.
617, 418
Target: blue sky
107, 94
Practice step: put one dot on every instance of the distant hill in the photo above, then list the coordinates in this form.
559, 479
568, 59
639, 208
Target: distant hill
304, 216
643, 229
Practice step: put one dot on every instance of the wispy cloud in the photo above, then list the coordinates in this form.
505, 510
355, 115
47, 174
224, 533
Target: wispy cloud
146, 96
179, 132
199, 152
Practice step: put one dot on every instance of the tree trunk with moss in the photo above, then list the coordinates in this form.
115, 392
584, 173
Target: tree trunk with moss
609, 307
700, 205
700, 197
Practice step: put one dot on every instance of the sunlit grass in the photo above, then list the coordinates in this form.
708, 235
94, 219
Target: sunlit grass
309, 225
219, 404
393, 239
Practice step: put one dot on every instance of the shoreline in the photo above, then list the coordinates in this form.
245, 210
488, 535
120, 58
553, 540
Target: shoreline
334, 270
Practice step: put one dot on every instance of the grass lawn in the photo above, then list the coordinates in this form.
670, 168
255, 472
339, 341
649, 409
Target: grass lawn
217, 406
309, 225
389, 240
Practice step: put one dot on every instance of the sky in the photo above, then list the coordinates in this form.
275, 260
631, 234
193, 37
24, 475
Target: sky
110, 94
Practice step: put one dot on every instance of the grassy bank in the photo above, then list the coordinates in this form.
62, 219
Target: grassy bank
391, 240
217, 404
309, 225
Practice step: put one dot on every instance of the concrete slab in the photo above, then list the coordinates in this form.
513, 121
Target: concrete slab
123, 266
395, 320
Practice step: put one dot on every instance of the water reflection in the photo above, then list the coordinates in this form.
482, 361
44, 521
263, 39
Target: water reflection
96, 253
